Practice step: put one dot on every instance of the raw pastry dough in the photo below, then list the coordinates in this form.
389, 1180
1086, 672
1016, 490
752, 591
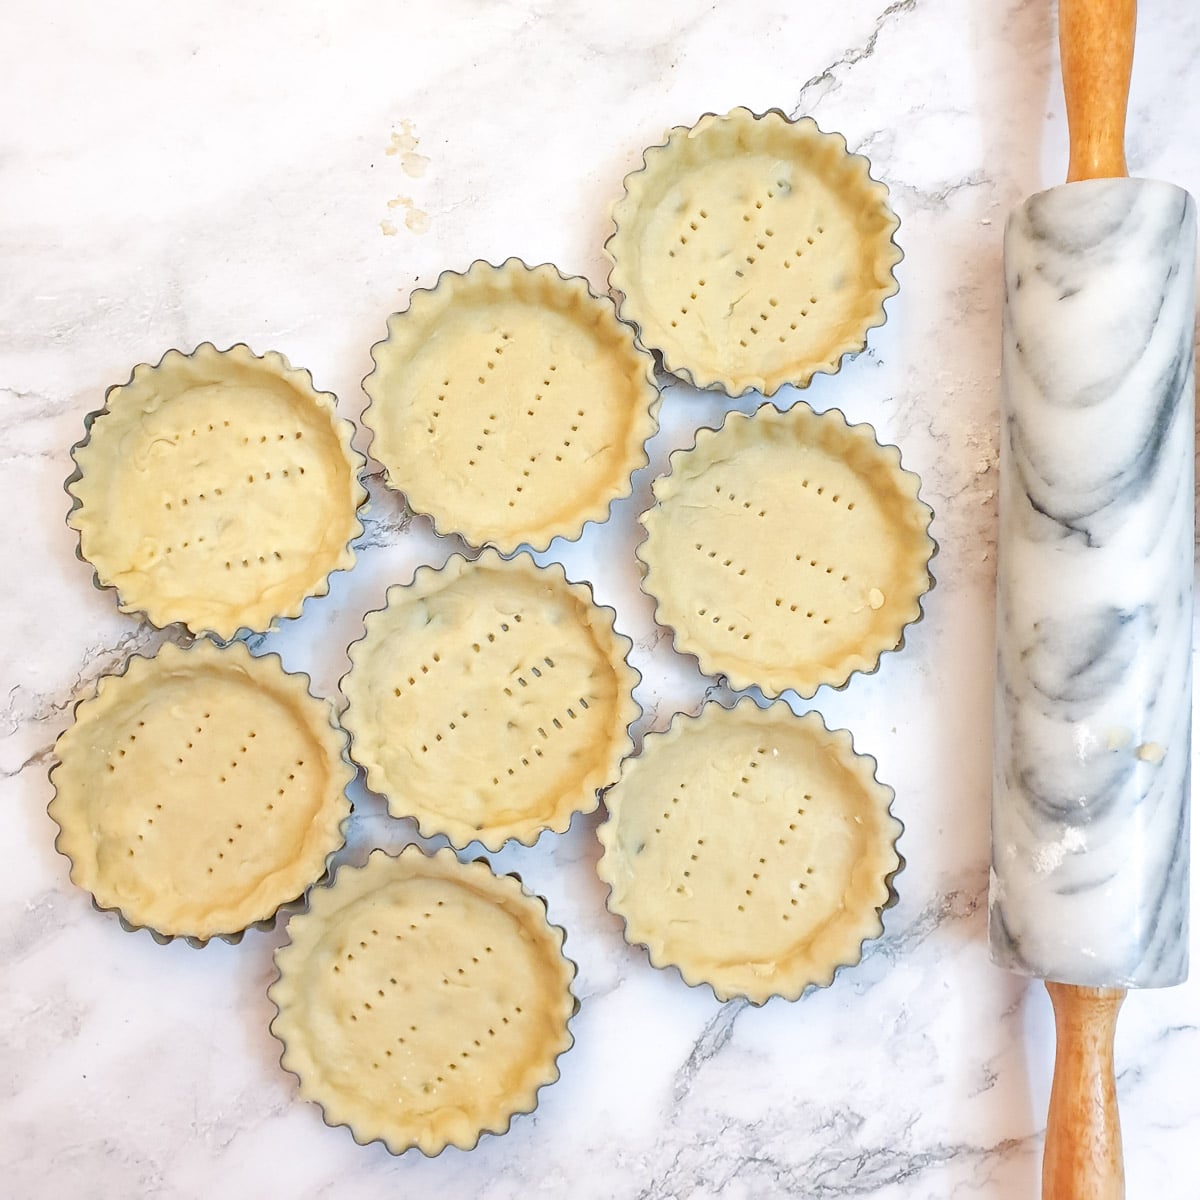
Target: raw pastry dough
752, 849
200, 790
423, 1001
218, 489
510, 405
490, 700
753, 251
787, 549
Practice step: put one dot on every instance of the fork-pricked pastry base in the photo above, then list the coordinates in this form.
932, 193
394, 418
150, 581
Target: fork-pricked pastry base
787, 549
218, 488
753, 251
510, 405
752, 849
200, 790
422, 1001
490, 700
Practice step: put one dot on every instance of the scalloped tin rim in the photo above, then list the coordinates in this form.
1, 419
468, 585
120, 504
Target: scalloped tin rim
720, 676
234, 937
684, 372
357, 465
889, 880
474, 554
539, 546
304, 907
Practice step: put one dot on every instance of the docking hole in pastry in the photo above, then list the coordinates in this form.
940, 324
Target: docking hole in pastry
510, 405
200, 790
753, 251
217, 488
490, 700
422, 1001
750, 848
787, 549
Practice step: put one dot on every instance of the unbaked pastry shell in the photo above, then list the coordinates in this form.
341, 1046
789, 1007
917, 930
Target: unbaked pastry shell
752, 849
490, 699
199, 791
510, 405
218, 489
787, 549
753, 251
423, 1002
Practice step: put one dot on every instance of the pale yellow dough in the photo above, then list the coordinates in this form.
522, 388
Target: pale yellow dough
200, 790
510, 405
218, 489
751, 849
753, 251
787, 549
490, 700
422, 1001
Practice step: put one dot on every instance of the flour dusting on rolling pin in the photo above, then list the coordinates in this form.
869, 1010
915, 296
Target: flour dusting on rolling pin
1094, 597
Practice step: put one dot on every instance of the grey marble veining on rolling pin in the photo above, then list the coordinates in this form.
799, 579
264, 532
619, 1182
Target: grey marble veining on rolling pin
1094, 595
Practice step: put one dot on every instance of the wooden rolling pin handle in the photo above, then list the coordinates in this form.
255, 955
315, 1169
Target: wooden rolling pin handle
1082, 1159
1095, 41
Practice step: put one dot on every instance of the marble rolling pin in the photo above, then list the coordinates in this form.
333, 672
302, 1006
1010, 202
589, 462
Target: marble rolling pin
1089, 885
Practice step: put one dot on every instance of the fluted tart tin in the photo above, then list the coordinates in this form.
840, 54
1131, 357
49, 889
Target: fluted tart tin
490, 699
423, 1002
218, 489
750, 848
753, 250
787, 550
510, 405
200, 790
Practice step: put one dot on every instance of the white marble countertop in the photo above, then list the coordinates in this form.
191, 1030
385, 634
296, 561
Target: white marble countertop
285, 175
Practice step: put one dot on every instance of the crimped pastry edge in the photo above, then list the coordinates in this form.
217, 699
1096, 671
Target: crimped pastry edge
460, 834
861, 664
865, 765
451, 281
710, 378
301, 683
570, 974
299, 378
